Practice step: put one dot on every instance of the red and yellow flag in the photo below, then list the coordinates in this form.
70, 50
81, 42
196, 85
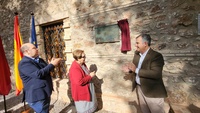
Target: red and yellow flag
17, 55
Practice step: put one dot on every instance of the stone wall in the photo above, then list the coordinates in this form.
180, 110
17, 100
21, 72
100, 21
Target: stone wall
171, 23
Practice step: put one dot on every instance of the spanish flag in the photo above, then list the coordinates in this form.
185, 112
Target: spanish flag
17, 54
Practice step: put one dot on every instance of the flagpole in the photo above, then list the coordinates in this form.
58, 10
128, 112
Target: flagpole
32, 14
4, 99
24, 106
5, 86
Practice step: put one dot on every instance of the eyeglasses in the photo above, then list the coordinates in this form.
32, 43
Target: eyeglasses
83, 56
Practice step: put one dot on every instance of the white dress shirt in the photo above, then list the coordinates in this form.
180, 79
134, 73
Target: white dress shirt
142, 56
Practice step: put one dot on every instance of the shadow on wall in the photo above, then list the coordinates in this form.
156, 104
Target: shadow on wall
70, 107
194, 109
97, 84
69, 93
134, 103
57, 90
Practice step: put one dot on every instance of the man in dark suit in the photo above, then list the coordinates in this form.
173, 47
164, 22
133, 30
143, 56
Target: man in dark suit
147, 69
35, 74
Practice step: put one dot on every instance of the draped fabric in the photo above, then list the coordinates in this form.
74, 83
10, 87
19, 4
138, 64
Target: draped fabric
5, 83
125, 35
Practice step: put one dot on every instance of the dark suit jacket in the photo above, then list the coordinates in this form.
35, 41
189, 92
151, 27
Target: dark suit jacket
36, 79
151, 74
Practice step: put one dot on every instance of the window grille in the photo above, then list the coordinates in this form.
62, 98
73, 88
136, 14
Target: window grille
55, 47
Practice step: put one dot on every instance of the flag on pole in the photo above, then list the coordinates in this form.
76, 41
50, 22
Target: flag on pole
17, 54
5, 83
33, 33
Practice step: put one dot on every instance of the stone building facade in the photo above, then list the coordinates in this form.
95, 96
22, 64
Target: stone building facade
172, 24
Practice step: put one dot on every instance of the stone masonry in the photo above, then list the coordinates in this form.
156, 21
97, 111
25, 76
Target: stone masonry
172, 24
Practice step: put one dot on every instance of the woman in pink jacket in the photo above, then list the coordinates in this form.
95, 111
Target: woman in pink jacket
82, 88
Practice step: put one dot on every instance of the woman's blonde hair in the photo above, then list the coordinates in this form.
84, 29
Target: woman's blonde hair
77, 54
